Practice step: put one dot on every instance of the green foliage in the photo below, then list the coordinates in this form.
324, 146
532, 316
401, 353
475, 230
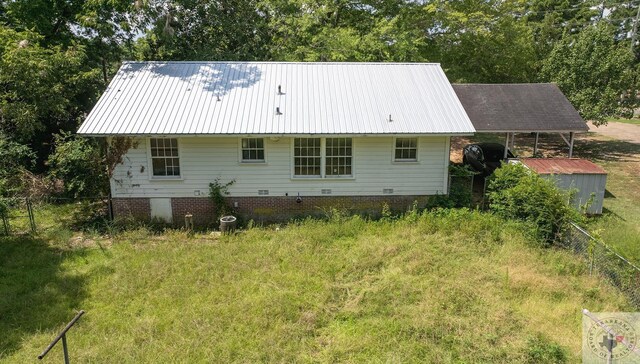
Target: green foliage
460, 190
41, 89
79, 164
595, 72
514, 192
218, 192
13, 158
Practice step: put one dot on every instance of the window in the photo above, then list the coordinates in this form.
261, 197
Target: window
164, 157
306, 157
406, 149
252, 150
338, 157
322, 157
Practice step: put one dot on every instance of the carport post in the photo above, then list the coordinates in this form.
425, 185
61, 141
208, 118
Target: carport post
571, 135
535, 145
506, 147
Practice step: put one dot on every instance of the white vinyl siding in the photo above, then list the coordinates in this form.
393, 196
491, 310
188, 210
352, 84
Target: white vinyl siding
203, 159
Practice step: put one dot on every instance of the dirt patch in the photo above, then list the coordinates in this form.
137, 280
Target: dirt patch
593, 146
620, 131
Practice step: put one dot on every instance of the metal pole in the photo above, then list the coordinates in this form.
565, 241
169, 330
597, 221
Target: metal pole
535, 145
6, 225
571, 137
64, 349
32, 221
506, 147
61, 335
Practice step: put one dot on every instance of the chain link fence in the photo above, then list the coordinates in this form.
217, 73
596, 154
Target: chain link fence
604, 261
20, 215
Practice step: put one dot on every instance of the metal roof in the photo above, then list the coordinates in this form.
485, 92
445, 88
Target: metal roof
191, 98
562, 166
525, 107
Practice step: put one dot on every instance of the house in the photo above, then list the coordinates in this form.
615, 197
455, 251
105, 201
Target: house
295, 137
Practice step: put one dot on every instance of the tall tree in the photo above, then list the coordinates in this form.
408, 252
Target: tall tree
205, 30
42, 90
595, 72
482, 41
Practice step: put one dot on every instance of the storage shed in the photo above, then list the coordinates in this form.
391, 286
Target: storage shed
586, 177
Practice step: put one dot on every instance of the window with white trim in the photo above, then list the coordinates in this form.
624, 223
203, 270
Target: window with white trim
307, 157
338, 157
165, 160
323, 157
252, 150
406, 150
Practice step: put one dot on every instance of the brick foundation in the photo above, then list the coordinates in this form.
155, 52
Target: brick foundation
138, 208
267, 209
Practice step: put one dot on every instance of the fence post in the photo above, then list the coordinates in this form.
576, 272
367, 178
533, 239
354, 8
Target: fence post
32, 221
5, 222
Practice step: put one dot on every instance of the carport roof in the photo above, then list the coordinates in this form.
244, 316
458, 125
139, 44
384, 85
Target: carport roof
527, 107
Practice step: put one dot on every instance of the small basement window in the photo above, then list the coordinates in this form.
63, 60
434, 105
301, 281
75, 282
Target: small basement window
252, 150
164, 157
406, 150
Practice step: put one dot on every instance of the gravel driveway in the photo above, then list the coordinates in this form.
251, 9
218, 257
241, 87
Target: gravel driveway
620, 131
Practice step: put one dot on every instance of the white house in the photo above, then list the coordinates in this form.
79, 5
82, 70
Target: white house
295, 137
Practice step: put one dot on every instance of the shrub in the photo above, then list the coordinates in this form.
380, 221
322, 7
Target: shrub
516, 193
78, 162
14, 158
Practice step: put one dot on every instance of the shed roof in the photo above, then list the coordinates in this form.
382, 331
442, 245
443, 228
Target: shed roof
191, 98
529, 107
562, 166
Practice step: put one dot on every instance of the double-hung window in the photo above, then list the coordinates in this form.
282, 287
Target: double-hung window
323, 157
406, 150
252, 150
165, 160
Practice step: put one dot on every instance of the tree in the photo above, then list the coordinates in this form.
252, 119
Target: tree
481, 41
205, 30
595, 72
42, 90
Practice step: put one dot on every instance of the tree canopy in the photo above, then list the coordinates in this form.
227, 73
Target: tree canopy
56, 56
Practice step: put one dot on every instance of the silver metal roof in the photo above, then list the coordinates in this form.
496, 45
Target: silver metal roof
190, 98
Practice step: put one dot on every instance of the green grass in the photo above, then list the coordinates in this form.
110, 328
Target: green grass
634, 121
453, 286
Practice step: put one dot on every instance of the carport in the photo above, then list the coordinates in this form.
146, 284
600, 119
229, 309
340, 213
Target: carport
521, 108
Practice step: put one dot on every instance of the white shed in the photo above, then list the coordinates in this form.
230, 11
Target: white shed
586, 177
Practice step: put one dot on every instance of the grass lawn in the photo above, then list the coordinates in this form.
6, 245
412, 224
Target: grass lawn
439, 287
